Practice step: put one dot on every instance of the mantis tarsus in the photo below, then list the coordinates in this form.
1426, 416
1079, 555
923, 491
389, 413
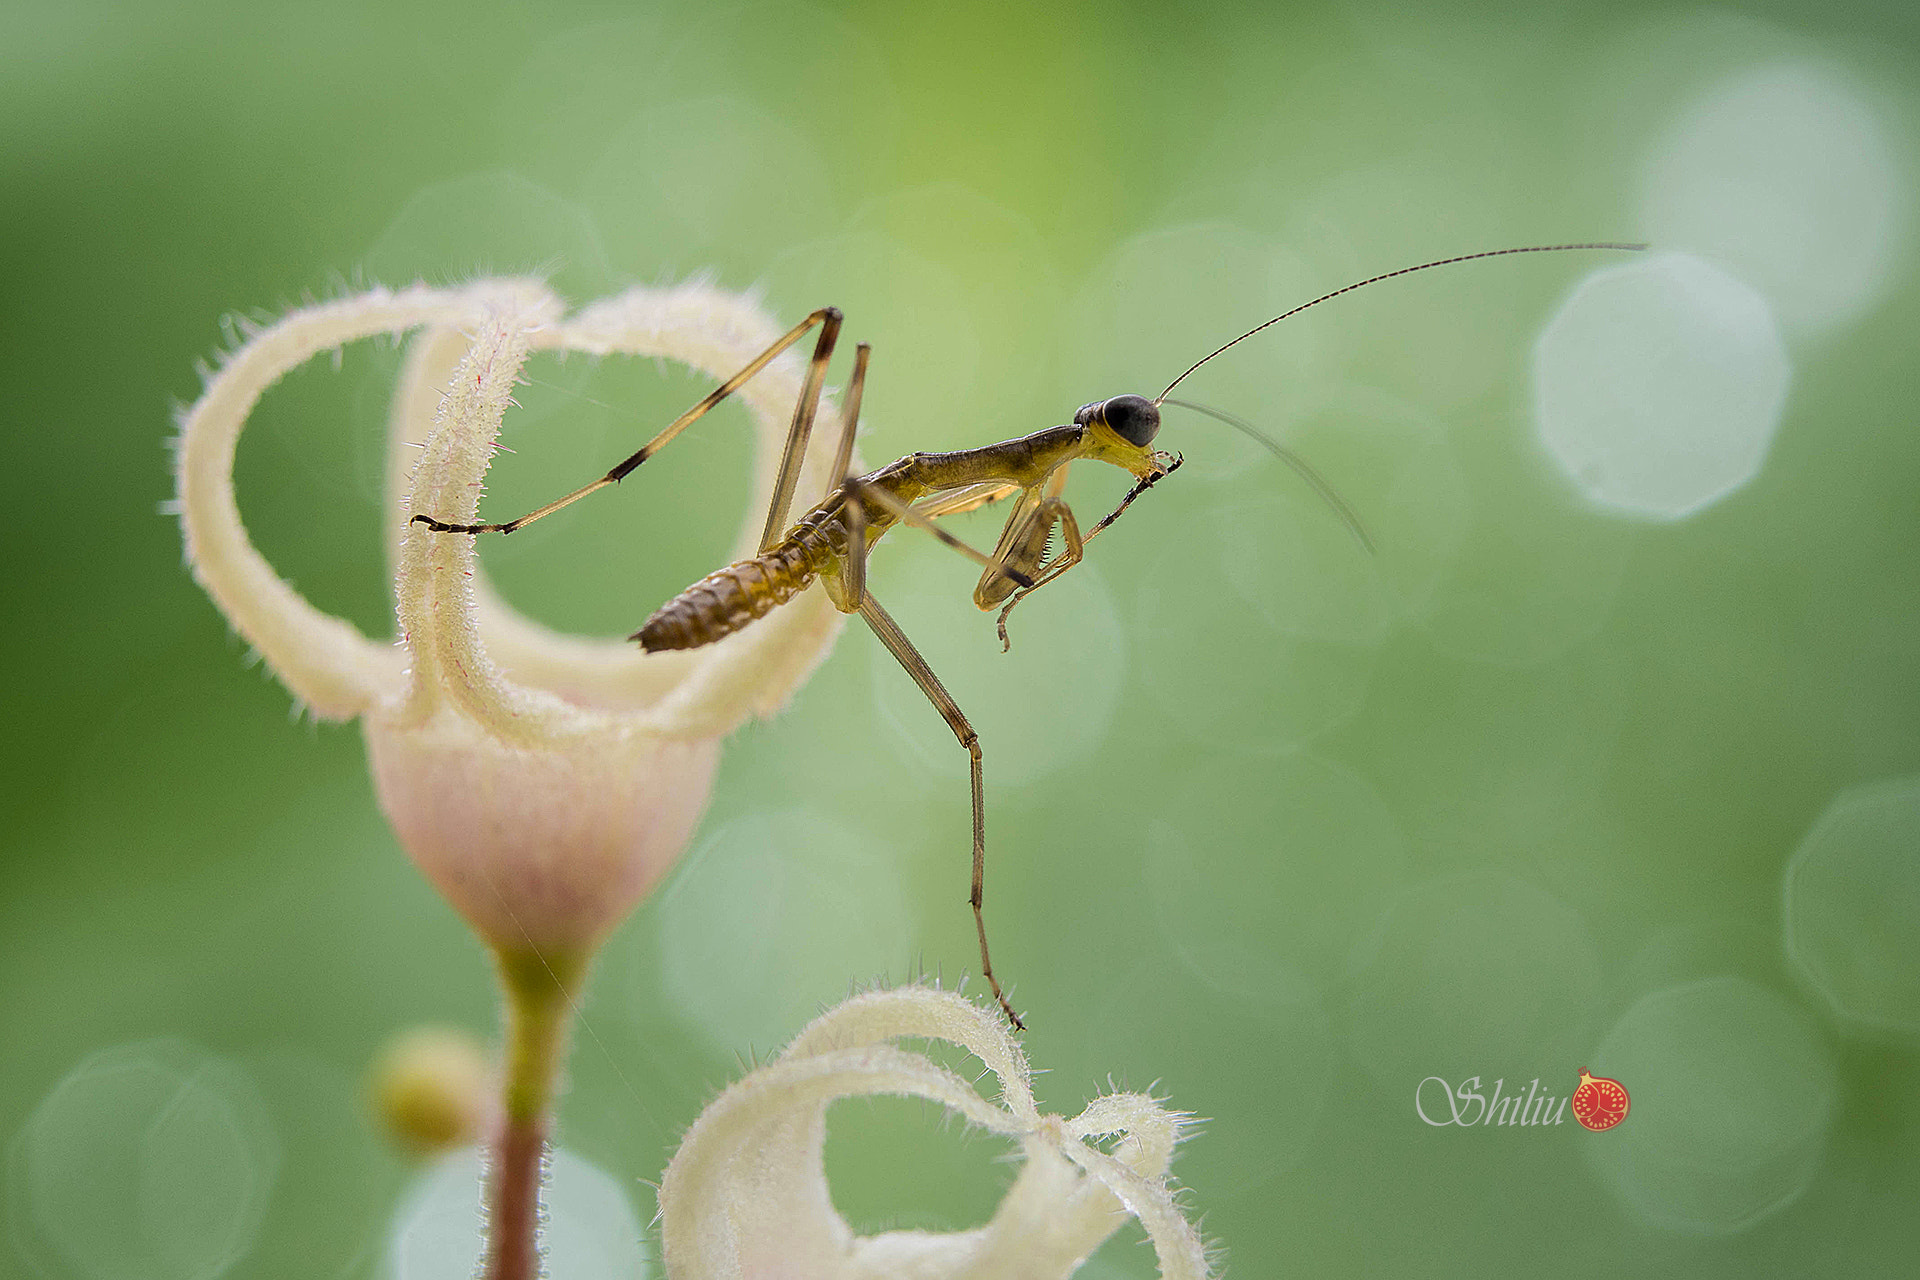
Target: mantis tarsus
832, 540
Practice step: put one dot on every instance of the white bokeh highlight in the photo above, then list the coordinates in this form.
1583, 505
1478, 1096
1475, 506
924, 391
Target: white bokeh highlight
153, 1160
1734, 1090
1658, 385
1784, 171
588, 1227
1852, 897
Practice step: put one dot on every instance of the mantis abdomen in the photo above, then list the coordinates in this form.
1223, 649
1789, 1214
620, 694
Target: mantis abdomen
729, 599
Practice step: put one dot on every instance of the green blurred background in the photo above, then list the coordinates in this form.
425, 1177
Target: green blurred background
1281, 827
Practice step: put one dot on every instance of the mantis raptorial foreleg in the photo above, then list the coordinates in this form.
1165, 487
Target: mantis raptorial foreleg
1075, 548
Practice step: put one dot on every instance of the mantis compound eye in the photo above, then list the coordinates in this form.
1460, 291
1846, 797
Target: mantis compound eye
1134, 419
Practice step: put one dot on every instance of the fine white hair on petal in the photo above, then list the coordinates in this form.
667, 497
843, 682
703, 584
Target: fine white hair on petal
746, 1195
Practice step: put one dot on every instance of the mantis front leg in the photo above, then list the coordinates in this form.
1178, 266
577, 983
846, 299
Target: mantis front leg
1024, 544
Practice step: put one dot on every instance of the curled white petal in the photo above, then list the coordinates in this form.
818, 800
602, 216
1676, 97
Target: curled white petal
746, 1195
434, 587
1151, 1128
325, 661
878, 1017
1144, 1194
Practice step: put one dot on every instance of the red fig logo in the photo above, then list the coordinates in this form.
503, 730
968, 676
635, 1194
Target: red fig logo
1599, 1103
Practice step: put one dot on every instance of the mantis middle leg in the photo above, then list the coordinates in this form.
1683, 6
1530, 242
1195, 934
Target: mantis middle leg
853, 596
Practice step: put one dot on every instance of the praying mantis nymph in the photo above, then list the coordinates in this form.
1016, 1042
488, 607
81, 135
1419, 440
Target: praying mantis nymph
831, 541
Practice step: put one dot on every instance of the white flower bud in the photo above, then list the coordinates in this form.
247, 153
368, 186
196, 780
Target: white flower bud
544, 783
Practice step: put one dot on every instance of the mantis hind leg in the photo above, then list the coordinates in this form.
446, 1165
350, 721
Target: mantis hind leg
909, 657
828, 318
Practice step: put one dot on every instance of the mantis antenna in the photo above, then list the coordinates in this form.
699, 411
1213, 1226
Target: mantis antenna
1300, 465
1403, 271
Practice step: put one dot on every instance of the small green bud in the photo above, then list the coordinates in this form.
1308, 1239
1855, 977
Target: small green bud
433, 1088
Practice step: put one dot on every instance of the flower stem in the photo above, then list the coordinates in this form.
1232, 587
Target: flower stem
539, 994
